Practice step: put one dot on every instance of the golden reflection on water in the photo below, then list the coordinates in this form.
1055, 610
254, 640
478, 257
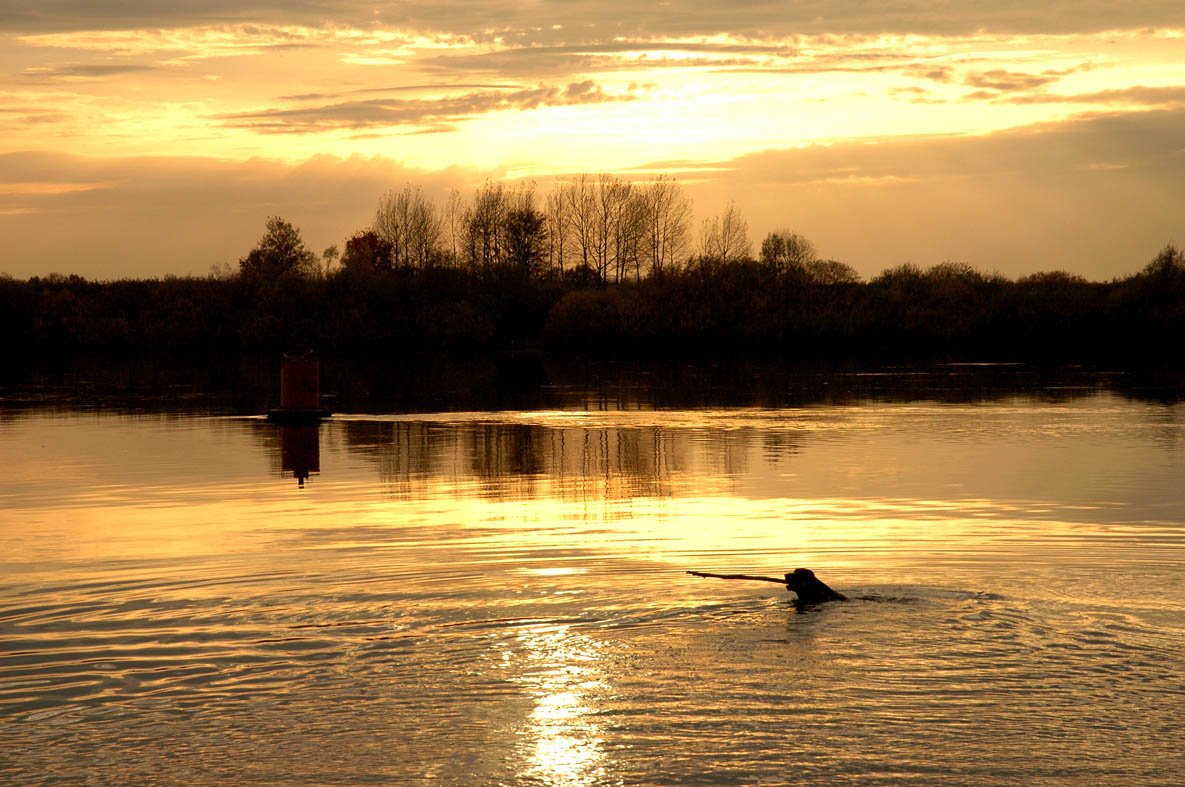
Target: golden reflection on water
562, 740
637, 484
512, 585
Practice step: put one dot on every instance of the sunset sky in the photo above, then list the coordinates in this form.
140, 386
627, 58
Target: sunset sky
141, 138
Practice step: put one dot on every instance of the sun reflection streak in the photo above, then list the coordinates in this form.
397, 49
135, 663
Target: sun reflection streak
562, 743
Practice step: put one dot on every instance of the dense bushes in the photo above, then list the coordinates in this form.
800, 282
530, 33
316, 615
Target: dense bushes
705, 310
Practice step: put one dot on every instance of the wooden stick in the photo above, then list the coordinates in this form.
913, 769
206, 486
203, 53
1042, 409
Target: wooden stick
737, 576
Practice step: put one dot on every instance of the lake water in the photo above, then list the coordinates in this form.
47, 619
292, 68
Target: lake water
190, 596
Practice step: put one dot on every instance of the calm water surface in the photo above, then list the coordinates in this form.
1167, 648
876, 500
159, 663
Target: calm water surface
500, 597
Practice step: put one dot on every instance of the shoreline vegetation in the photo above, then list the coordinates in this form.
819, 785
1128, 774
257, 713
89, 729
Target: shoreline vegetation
605, 269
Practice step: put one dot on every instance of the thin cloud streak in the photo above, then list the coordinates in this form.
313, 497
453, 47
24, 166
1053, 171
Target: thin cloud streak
601, 58
426, 88
380, 113
1005, 81
1136, 96
83, 71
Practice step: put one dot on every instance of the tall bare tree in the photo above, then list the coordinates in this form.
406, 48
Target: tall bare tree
483, 223
558, 239
631, 233
410, 223
578, 198
602, 220
453, 224
615, 225
666, 224
725, 238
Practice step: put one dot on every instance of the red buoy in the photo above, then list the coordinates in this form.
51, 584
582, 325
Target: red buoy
300, 381
300, 389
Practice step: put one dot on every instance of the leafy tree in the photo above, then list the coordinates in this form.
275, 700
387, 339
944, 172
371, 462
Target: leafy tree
1167, 265
1051, 280
366, 253
831, 272
785, 252
901, 276
1161, 287
280, 252
525, 230
961, 272
330, 255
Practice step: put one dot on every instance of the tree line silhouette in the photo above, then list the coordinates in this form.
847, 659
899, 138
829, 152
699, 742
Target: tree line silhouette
603, 267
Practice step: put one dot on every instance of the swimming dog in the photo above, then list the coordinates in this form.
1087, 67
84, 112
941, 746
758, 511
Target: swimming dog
809, 588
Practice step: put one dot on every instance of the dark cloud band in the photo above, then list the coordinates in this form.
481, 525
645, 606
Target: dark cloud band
583, 21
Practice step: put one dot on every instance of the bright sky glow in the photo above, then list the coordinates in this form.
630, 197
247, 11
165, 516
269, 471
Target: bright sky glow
453, 94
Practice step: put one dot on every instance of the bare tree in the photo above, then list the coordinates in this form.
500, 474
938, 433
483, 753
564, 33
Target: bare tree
558, 240
601, 219
391, 221
409, 222
579, 211
725, 237
483, 223
453, 224
602, 223
666, 219
631, 233
424, 235
616, 227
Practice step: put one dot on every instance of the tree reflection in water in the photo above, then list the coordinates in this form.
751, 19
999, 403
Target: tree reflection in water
511, 460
